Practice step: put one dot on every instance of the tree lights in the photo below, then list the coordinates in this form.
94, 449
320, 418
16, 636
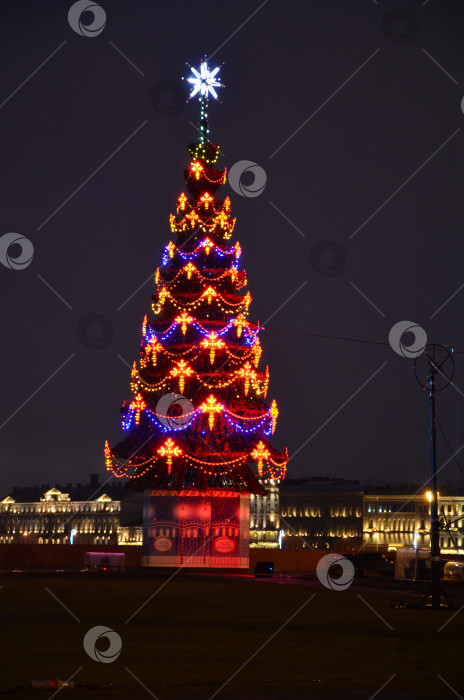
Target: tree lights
184, 320
138, 405
107, 456
213, 343
196, 168
274, 412
211, 406
200, 343
247, 373
153, 348
182, 370
169, 450
260, 453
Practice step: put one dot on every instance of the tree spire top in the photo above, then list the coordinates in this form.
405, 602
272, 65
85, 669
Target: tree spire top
204, 82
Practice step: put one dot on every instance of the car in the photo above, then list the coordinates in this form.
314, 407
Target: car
372, 563
264, 569
454, 570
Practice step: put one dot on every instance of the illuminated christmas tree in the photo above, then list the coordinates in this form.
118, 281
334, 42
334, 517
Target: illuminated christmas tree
198, 423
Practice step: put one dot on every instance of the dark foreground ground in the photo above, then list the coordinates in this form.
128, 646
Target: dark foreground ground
205, 636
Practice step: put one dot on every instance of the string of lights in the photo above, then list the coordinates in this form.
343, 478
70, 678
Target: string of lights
185, 372
184, 320
207, 245
211, 406
190, 269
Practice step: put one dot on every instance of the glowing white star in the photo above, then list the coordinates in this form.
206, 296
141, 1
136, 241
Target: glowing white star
204, 81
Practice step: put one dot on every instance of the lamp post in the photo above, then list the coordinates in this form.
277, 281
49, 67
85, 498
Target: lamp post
434, 522
439, 375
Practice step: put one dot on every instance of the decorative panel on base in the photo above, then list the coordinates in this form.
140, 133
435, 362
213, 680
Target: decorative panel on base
207, 529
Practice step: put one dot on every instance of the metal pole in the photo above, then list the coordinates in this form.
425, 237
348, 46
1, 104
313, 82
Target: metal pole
434, 522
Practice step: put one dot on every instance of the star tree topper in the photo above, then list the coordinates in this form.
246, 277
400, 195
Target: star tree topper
204, 81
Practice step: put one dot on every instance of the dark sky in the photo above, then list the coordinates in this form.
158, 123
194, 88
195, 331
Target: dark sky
377, 86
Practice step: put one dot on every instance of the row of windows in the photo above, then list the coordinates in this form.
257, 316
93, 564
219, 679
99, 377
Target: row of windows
335, 532
53, 508
407, 539
36, 531
103, 539
264, 536
383, 523
22, 523
318, 512
398, 525
444, 508
259, 507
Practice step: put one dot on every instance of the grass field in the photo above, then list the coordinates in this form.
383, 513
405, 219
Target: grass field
197, 631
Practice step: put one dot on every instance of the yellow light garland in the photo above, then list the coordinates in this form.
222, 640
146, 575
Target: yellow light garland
107, 456
184, 320
211, 406
213, 342
138, 405
274, 412
197, 169
247, 373
182, 371
182, 201
259, 454
169, 450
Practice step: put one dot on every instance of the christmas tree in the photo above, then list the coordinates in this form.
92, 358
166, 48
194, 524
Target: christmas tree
198, 420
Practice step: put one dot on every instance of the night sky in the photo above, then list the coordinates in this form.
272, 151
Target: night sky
366, 98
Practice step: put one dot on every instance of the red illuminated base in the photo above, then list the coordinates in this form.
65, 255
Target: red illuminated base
207, 529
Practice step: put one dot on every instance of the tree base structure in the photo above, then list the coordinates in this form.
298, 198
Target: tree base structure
190, 528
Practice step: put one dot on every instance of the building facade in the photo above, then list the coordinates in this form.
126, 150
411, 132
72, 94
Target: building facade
300, 513
264, 517
321, 514
395, 520
55, 519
